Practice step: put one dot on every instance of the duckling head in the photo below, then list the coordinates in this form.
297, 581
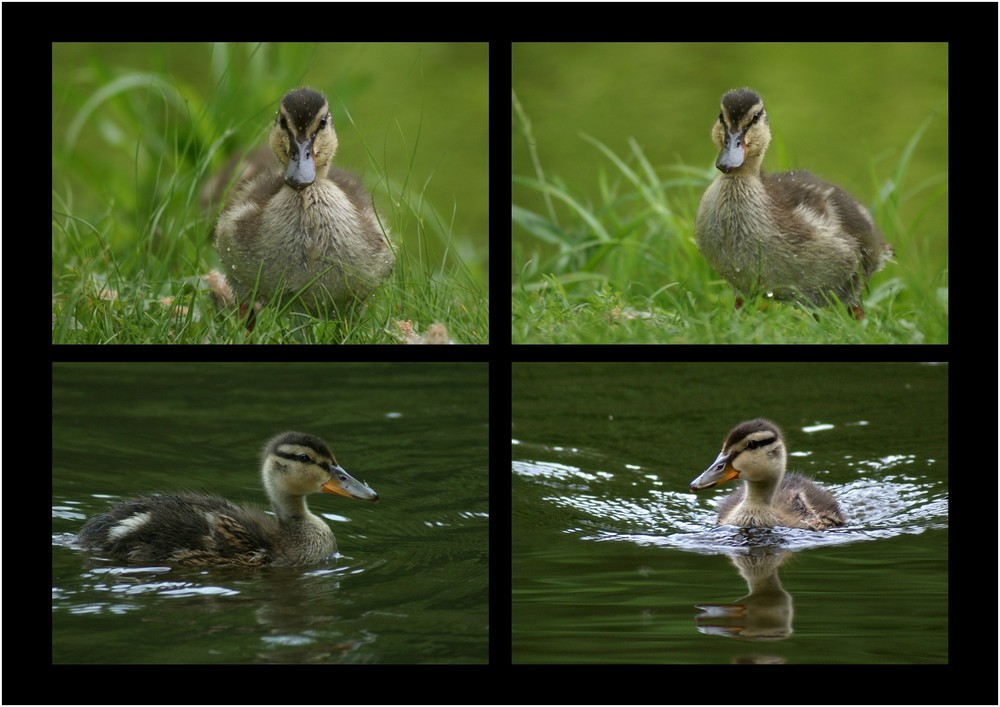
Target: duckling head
296, 464
303, 137
754, 451
741, 133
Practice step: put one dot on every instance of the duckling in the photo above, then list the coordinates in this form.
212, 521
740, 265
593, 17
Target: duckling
297, 227
203, 529
755, 452
791, 235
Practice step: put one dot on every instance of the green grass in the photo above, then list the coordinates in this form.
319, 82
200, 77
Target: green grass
623, 267
131, 239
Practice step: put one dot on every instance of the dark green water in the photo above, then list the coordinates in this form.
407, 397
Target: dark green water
411, 582
615, 561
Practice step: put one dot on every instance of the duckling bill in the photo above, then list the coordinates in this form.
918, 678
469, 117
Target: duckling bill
791, 235
300, 227
754, 452
204, 529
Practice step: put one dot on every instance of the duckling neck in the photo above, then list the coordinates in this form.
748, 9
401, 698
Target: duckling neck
742, 201
304, 536
291, 509
757, 507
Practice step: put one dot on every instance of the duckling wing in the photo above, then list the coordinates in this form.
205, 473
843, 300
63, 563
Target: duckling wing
822, 208
185, 528
808, 195
809, 505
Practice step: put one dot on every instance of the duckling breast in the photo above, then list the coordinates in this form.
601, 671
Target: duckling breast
734, 230
304, 541
334, 238
318, 239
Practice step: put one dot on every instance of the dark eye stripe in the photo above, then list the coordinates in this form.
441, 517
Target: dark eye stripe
760, 442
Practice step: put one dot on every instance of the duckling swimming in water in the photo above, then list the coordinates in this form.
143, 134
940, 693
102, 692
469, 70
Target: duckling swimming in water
203, 529
755, 452
791, 235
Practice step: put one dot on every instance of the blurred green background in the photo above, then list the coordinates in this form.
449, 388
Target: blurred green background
843, 111
139, 129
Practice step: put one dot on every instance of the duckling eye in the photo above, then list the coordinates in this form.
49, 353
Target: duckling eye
284, 123
756, 116
322, 123
304, 458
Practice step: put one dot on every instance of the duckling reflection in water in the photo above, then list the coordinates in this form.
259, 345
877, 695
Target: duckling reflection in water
203, 529
755, 452
764, 614
791, 235
299, 226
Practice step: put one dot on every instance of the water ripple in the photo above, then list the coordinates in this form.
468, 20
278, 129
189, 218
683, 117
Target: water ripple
876, 508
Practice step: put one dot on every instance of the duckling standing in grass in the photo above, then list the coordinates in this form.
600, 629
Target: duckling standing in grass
755, 452
203, 529
299, 228
791, 235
